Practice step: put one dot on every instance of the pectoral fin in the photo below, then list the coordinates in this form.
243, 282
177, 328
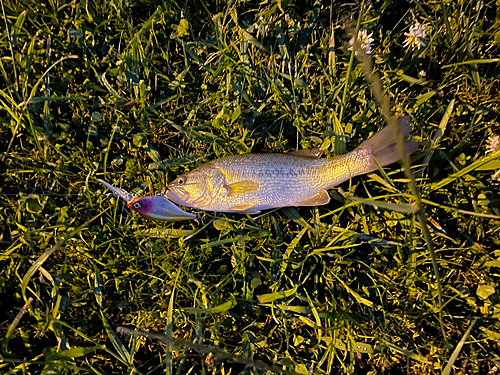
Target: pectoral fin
245, 209
308, 152
317, 200
242, 187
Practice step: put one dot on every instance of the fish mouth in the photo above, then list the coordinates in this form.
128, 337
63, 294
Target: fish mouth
179, 195
176, 193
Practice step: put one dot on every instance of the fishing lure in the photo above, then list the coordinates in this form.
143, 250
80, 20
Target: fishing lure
154, 207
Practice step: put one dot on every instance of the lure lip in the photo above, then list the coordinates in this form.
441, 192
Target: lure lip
125, 195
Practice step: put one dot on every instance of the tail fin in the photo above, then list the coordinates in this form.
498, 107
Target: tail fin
382, 145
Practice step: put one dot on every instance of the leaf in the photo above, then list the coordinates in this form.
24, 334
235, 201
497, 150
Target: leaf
300, 83
93, 132
222, 307
96, 117
282, 4
74, 33
236, 114
282, 45
41, 99
421, 99
494, 164
478, 61
183, 28
491, 335
17, 27
158, 14
476, 165
492, 263
355, 346
292, 214
153, 154
132, 76
140, 140
271, 297
485, 290
356, 295
257, 341
398, 207
252, 40
291, 247
164, 233
76, 352
193, 134
33, 205
169, 330
221, 224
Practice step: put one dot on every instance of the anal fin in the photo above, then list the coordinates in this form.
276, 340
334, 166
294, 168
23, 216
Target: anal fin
242, 187
317, 200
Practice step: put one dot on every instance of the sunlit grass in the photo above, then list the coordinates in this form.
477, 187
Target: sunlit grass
398, 273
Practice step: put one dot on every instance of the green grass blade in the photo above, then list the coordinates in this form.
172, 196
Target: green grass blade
473, 62
449, 365
398, 207
122, 351
41, 260
464, 171
17, 27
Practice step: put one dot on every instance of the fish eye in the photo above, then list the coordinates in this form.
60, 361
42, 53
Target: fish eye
180, 181
137, 205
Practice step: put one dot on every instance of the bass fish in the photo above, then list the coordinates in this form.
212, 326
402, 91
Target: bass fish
250, 183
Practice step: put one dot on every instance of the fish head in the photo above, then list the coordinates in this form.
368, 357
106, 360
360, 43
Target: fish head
159, 208
195, 189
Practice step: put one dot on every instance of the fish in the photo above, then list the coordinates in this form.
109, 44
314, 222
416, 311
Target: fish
250, 183
154, 206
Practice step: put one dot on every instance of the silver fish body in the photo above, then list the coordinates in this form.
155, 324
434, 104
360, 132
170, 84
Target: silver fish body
254, 182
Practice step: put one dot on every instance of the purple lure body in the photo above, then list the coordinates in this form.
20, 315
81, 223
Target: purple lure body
159, 208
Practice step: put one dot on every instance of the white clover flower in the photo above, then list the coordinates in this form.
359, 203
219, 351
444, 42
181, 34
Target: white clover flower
496, 176
416, 37
493, 144
364, 40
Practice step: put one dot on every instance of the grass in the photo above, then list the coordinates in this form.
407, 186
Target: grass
398, 274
